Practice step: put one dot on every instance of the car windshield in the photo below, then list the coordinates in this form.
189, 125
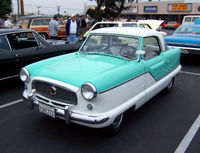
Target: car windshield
188, 30
120, 46
172, 22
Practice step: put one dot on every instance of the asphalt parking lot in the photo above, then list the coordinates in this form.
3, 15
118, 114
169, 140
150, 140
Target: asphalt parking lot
167, 123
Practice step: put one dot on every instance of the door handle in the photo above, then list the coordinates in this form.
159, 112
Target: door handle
18, 56
167, 61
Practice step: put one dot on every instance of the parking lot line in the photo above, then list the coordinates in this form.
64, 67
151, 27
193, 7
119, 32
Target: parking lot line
11, 103
192, 73
189, 136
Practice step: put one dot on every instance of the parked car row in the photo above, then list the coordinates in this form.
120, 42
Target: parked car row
148, 24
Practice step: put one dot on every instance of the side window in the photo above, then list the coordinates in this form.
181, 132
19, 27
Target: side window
37, 22
40, 41
141, 26
104, 25
129, 25
4, 43
194, 19
97, 26
188, 19
22, 40
19, 22
25, 22
151, 46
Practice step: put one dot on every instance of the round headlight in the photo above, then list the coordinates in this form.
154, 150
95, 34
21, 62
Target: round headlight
24, 75
88, 91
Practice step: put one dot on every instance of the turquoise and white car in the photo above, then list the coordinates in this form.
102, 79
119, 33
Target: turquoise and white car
115, 69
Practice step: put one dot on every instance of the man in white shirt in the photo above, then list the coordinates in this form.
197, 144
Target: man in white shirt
54, 28
72, 29
7, 23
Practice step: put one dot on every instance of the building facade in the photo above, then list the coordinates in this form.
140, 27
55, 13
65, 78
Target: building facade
168, 10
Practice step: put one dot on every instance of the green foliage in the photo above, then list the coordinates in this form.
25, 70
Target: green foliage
5, 7
107, 9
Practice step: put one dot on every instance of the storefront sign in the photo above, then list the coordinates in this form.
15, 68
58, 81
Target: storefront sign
181, 7
132, 9
150, 9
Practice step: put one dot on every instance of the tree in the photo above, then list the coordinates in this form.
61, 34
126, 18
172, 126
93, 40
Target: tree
107, 9
5, 7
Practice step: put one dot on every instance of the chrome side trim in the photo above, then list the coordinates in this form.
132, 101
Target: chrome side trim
9, 77
189, 48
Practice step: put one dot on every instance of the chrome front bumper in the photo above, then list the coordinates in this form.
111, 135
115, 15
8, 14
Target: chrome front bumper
66, 114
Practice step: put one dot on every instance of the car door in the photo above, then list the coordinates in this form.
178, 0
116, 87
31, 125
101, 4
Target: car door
7, 59
156, 65
62, 31
155, 60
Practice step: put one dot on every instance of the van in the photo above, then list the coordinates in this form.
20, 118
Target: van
40, 25
190, 19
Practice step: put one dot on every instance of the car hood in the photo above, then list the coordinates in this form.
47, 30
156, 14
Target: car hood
154, 24
76, 69
189, 38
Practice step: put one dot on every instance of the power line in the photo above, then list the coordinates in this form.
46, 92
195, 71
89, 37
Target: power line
51, 7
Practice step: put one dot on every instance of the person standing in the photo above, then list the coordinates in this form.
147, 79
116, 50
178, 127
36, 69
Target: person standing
83, 27
1, 23
7, 23
72, 29
54, 28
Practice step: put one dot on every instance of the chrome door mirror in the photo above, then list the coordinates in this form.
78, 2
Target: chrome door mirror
140, 54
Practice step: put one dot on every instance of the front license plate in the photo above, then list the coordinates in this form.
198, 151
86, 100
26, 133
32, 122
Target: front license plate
46, 109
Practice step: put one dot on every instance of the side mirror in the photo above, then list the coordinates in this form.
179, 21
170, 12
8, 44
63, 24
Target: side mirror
141, 54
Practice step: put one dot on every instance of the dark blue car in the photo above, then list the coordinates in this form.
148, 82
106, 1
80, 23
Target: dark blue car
186, 37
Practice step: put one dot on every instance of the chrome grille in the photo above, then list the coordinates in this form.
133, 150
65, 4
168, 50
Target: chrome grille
62, 95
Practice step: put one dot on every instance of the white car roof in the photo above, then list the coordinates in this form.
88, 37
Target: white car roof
130, 31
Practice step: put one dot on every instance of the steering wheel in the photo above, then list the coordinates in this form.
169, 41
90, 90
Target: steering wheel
128, 52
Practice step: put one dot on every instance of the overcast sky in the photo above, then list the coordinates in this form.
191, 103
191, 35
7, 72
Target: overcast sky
50, 7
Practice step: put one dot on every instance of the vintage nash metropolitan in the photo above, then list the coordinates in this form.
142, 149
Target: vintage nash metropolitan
115, 69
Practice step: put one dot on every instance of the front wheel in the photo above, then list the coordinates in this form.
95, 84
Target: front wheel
115, 127
170, 86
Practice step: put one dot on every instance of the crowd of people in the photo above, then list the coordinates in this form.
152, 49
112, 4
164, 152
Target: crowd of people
5, 21
75, 27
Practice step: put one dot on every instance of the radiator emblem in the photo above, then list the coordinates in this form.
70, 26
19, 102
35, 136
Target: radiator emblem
52, 90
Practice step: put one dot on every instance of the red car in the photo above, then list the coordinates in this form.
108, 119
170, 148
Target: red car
172, 25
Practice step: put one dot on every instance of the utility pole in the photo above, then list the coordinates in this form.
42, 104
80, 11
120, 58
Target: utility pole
38, 7
18, 9
58, 8
22, 7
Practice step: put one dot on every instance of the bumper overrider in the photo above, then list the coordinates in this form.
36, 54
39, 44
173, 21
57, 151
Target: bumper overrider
65, 113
